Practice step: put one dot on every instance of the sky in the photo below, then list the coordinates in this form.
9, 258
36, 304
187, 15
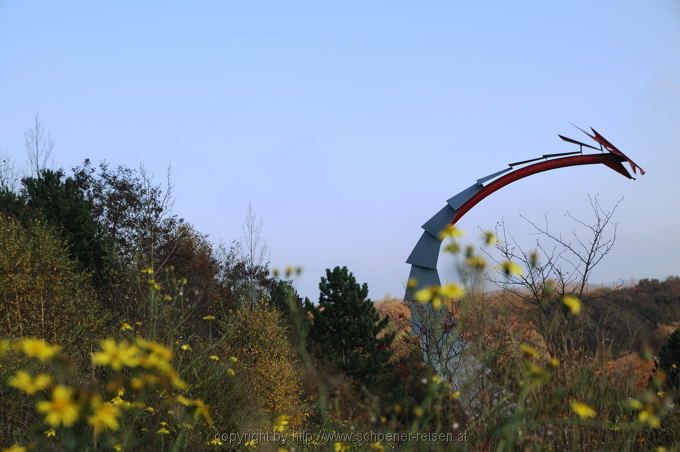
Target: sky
348, 124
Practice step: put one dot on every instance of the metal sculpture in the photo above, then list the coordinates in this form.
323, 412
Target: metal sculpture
423, 258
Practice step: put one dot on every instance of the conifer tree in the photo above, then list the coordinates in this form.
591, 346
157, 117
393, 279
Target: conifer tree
347, 330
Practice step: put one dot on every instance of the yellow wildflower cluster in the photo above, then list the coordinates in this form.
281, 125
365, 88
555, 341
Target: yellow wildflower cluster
281, 423
450, 231
66, 407
37, 348
646, 412
116, 355
436, 295
30, 385
582, 410
142, 354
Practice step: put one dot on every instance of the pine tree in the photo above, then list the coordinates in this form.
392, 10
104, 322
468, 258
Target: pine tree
347, 330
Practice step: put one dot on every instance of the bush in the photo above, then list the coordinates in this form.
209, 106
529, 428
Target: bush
258, 338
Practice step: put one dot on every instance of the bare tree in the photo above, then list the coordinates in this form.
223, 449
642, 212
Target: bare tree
439, 337
256, 251
156, 208
39, 146
560, 265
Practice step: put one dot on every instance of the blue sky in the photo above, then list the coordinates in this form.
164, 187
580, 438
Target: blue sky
348, 124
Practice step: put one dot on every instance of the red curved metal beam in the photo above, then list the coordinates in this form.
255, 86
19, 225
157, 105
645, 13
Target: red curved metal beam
613, 161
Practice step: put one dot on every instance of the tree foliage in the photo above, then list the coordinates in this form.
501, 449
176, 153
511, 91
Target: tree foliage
347, 330
259, 339
42, 293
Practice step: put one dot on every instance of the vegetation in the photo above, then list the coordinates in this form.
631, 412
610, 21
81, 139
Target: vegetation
125, 328
347, 329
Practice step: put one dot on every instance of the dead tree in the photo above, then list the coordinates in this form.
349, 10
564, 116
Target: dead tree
39, 146
560, 265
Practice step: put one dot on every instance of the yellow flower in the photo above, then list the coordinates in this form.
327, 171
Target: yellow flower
215, 442
250, 443
452, 248
454, 395
125, 327
104, 415
214, 357
281, 423
340, 447
646, 416
377, 447
233, 359
50, 433
529, 351
60, 410
418, 411
209, 317
186, 347
117, 447
119, 401
115, 355
14, 448
489, 238
582, 410
231, 372
37, 348
438, 294
22, 380
476, 262
450, 231
572, 303
163, 431
159, 355
150, 409
554, 362
411, 283
536, 372
634, 404
510, 268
